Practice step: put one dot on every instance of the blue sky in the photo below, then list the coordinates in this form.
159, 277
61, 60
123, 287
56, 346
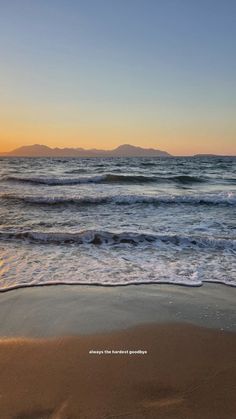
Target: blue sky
99, 73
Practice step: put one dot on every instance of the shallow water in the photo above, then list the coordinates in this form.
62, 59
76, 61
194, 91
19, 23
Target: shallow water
117, 221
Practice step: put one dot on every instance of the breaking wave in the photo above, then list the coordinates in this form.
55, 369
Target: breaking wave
196, 199
95, 237
106, 178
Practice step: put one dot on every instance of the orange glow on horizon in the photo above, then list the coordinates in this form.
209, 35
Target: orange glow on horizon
109, 140
176, 140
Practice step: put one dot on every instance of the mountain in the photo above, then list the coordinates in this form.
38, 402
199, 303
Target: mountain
125, 150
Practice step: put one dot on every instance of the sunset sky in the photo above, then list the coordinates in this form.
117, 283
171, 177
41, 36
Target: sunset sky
99, 73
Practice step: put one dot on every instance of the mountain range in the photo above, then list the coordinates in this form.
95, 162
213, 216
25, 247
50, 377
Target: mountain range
125, 150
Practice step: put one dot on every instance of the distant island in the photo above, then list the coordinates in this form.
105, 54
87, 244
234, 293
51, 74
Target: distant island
125, 150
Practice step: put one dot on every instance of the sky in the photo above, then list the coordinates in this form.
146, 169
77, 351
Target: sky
100, 73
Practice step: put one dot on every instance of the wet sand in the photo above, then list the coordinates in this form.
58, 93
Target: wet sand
72, 310
189, 372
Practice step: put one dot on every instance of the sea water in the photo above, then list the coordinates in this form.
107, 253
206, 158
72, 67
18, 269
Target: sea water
117, 221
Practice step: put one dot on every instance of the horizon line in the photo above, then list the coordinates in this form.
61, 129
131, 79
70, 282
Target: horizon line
6, 153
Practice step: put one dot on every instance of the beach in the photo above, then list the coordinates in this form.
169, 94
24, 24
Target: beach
117, 209
117, 288
131, 352
51, 311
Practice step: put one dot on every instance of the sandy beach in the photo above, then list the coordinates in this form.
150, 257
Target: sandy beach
60, 358
117, 209
53, 311
184, 371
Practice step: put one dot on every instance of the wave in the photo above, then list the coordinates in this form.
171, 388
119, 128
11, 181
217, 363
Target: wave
79, 170
185, 179
185, 282
95, 237
106, 178
200, 199
41, 180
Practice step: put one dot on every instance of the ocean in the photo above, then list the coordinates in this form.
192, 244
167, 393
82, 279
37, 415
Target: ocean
117, 221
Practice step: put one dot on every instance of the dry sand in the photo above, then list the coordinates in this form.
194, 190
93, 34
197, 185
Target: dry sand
188, 372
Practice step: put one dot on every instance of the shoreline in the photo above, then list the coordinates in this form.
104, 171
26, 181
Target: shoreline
65, 310
55, 361
111, 285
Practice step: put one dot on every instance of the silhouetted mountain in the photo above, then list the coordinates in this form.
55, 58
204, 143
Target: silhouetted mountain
127, 150
124, 150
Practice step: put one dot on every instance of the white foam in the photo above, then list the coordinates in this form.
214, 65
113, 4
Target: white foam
96, 237
188, 199
111, 266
